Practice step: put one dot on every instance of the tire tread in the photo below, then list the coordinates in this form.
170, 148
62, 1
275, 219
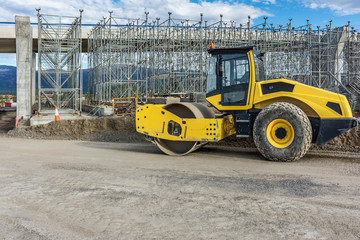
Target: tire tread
288, 107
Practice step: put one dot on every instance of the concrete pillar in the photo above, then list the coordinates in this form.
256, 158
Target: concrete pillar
33, 78
24, 66
338, 58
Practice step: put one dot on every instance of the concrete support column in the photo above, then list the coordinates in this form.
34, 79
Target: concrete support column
338, 57
24, 57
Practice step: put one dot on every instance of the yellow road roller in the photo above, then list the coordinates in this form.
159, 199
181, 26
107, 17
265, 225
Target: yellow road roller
282, 116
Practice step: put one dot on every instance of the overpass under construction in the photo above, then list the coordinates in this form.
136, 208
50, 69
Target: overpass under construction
146, 58
154, 57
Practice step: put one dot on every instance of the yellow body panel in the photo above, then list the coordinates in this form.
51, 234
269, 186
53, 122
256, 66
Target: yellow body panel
152, 120
311, 100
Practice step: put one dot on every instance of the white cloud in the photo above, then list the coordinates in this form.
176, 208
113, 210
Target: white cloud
340, 7
265, 1
94, 10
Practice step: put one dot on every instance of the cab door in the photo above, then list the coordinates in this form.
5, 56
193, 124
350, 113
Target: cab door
235, 79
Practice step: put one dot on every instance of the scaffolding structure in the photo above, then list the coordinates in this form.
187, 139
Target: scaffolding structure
59, 62
145, 58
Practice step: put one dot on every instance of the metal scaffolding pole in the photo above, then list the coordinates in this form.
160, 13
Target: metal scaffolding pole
59, 59
146, 58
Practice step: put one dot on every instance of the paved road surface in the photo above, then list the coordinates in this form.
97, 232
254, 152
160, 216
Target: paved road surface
90, 190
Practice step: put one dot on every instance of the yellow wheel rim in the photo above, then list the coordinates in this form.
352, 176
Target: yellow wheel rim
280, 133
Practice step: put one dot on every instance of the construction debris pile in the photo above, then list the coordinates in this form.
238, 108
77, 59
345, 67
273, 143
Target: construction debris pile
124, 106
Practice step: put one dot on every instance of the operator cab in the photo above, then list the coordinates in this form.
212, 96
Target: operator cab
231, 75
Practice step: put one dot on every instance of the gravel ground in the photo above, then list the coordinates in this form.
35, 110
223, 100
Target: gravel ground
95, 190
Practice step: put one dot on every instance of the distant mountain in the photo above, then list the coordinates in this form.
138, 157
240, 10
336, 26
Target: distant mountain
8, 80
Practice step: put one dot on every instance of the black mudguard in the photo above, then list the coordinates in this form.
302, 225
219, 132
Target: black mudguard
329, 128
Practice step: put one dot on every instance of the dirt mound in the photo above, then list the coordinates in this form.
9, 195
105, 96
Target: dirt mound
7, 121
106, 129
233, 141
122, 129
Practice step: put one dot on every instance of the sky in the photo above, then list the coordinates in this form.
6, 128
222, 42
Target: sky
319, 12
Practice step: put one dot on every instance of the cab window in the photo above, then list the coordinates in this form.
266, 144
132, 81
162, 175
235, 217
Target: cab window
235, 79
236, 71
211, 77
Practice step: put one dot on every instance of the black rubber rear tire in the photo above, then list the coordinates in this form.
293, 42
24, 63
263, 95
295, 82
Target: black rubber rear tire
302, 132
